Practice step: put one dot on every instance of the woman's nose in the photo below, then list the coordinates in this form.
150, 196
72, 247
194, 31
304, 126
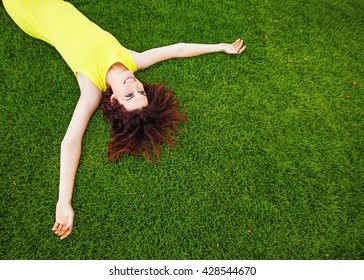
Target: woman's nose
132, 85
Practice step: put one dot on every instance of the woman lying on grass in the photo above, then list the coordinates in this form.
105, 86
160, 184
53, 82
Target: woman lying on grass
141, 115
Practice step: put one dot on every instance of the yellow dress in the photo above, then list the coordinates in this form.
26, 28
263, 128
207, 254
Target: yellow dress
84, 46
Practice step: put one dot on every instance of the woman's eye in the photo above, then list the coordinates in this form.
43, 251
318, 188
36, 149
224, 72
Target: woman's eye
129, 95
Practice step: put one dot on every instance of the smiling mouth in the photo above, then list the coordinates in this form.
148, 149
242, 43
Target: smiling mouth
129, 79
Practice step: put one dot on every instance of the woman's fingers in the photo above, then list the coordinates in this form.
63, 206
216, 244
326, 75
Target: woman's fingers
241, 49
64, 220
55, 226
62, 230
59, 229
238, 45
66, 233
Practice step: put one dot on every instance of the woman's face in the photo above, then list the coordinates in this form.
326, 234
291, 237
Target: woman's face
130, 93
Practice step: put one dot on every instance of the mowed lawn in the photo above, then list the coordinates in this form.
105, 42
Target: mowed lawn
270, 164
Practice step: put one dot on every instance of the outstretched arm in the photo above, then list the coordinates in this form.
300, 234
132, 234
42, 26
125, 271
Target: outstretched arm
70, 154
147, 58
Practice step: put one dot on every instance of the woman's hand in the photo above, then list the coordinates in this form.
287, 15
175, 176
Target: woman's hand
64, 220
235, 48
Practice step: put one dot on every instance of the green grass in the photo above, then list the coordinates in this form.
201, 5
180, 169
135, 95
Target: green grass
271, 164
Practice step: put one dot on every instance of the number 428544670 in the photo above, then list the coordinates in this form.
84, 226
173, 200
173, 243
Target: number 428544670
230, 270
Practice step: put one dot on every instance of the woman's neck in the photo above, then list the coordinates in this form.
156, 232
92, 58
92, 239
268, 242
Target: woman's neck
113, 75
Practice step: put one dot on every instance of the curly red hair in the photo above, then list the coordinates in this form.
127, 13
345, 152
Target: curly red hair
142, 131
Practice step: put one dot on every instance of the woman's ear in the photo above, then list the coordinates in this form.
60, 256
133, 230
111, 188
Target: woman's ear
112, 99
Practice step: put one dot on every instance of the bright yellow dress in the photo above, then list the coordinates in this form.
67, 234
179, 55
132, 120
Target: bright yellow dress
84, 46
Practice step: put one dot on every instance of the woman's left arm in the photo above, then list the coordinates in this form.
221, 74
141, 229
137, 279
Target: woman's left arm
150, 57
71, 151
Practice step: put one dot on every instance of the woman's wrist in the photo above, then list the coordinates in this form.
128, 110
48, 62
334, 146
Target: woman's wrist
221, 47
64, 201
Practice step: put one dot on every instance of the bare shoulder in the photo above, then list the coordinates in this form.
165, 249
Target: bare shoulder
138, 58
86, 84
90, 97
88, 89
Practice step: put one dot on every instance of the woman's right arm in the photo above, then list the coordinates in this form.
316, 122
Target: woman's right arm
71, 152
